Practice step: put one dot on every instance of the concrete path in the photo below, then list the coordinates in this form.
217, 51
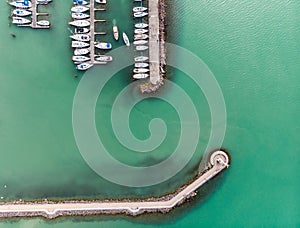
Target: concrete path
219, 162
154, 50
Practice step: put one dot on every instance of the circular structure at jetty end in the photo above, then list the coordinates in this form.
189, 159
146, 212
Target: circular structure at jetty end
220, 157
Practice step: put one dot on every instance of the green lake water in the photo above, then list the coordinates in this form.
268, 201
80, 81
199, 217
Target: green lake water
253, 49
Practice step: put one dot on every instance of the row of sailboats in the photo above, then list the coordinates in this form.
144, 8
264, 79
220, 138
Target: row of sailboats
141, 66
23, 9
81, 38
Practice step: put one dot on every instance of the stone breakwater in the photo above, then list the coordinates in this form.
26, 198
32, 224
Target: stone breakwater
149, 86
218, 161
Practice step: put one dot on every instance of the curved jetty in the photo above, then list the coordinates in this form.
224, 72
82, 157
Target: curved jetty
219, 161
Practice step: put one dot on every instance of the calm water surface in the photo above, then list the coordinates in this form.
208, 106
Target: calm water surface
253, 49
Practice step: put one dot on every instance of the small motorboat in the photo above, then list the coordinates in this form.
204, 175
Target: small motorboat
80, 15
103, 45
141, 25
79, 9
21, 12
81, 37
115, 32
80, 23
140, 70
126, 40
101, 1
20, 20
80, 2
140, 58
43, 2
81, 51
25, 4
80, 58
139, 9
84, 66
141, 65
43, 23
81, 30
140, 42
103, 58
140, 36
140, 31
141, 48
140, 14
79, 44
140, 76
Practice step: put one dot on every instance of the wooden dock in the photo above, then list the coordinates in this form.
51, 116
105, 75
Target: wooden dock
154, 47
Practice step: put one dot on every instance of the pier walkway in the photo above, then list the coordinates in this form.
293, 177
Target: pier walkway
92, 31
219, 161
154, 47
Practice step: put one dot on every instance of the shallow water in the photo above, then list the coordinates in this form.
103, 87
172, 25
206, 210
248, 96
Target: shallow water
253, 50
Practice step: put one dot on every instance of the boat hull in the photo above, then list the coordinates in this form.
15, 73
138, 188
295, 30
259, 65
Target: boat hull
81, 51
79, 44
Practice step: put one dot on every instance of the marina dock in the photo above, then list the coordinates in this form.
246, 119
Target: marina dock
92, 31
218, 161
34, 18
154, 44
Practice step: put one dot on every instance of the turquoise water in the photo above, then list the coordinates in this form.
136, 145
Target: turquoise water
253, 50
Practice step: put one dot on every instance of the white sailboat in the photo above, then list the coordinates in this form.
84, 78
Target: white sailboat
80, 23
140, 42
21, 4
101, 1
79, 9
103, 45
139, 9
103, 58
43, 23
141, 36
126, 39
140, 76
80, 15
80, 30
141, 48
116, 32
20, 20
140, 58
43, 2
81, 37
141, 65
81, 51
21, 12
140, 31
84, 66
80, 58
80, 2
140, 14
141, 25
79, 44
140, 70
